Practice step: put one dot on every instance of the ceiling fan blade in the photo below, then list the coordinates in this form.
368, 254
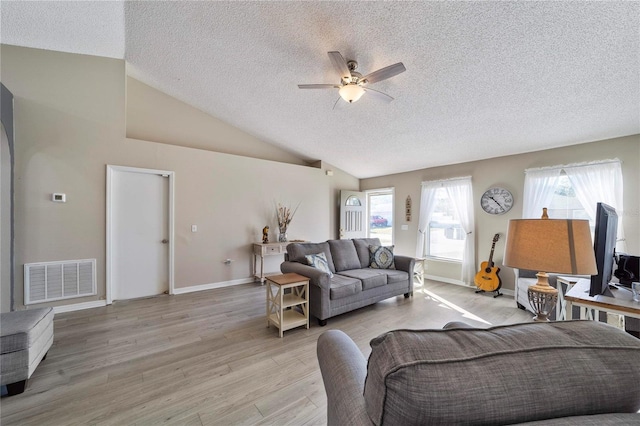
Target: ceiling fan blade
340, 65
384, 73
378, 94
319, 86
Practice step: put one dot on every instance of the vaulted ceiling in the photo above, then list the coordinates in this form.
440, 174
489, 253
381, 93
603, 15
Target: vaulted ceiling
483, 79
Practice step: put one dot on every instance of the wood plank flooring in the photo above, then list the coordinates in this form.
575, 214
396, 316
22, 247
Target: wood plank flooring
208, 358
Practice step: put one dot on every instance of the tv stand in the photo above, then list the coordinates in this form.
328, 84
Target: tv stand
620, 302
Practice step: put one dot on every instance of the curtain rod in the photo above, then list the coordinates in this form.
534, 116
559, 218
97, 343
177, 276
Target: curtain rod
574, 165
431, 182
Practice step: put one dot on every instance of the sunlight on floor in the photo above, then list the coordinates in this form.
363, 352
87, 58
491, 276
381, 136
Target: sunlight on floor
446, 304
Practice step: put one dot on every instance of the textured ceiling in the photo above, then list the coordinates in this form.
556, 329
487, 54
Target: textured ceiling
483, 79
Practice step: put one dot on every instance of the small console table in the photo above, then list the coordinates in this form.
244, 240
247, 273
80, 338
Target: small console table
285, 295
621, 303
261, 250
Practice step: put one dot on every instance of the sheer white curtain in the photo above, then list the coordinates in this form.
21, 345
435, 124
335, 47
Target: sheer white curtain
599, 182
427, 205
460, 192
539, 185
462, 197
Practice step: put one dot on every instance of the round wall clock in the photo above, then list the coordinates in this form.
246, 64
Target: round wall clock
496, 201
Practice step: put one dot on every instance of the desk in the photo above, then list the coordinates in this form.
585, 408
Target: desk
621, 304
261, 250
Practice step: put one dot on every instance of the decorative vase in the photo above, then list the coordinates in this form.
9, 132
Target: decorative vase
282, 235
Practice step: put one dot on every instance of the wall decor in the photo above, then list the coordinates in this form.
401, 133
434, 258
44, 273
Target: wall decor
496, 201
407, 208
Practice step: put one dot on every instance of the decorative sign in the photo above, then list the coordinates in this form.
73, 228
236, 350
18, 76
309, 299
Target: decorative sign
407, 209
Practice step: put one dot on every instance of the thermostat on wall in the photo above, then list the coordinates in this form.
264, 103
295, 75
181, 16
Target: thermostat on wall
59, 198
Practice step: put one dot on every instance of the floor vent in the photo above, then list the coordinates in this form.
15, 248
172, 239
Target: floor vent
49, 281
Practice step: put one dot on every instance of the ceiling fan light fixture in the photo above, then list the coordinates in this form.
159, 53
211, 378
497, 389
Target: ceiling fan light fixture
351, 92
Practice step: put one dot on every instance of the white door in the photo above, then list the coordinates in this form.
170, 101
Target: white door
353, 209
139, 230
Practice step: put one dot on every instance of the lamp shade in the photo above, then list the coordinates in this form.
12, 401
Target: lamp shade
561, 246
351, 92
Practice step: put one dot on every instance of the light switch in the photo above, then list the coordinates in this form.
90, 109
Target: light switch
405, 227
194, 228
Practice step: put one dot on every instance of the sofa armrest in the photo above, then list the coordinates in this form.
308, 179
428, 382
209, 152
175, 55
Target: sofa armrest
404, 263
316, 276
344, 370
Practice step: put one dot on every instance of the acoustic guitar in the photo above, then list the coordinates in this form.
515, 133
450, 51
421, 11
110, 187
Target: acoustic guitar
487, 278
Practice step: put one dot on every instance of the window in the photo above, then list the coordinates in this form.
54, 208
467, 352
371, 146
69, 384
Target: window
447, 222
564, 202
445, 237
573, 191
380, 206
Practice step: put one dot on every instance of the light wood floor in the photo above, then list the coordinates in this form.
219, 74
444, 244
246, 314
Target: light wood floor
208, 358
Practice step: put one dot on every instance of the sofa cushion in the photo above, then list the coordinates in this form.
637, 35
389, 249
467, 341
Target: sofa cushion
344, 255
393, 275
463, 376
381, 257
319, 261
296, 252
371, 278
362, 248
343, 286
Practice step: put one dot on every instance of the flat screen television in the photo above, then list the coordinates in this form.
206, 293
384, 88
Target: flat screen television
604, 246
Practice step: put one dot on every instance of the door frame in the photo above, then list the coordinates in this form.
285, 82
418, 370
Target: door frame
111, 170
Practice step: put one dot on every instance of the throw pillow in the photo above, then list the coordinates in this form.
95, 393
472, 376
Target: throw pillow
319, 261
381, 257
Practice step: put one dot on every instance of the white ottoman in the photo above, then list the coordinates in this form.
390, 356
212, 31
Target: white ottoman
25, 338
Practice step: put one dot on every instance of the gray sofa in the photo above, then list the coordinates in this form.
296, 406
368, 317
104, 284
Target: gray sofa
562, 373
354, 284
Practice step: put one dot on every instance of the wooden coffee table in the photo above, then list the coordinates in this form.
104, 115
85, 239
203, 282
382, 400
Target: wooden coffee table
287, 301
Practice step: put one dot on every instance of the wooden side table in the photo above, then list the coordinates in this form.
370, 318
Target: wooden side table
285, 293
561, 305
419, 270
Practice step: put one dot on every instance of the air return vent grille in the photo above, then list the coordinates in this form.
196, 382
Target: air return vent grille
48, 281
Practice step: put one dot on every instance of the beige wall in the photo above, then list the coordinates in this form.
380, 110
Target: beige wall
155, 116
508, 172
70, 123
5, 222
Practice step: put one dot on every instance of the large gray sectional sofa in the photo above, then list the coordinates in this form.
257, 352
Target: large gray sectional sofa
353, 284
559, 373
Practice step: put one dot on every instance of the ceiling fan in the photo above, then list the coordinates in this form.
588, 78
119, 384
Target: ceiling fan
352, 84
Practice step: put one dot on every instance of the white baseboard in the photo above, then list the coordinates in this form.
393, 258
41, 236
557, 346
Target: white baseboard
461, 283
445, 280
211, 286
79, 306
181, 290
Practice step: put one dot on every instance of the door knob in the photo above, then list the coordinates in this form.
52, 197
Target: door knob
165, 241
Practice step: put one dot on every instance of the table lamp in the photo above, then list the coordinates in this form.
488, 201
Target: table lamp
561, 246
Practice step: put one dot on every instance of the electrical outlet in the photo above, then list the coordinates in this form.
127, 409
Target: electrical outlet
194, 228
